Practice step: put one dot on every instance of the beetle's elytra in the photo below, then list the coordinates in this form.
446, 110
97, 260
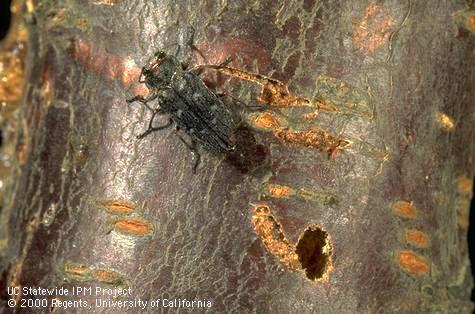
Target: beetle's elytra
191, 106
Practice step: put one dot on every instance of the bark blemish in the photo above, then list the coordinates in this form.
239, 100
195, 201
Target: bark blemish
117, 207
373, 29
271, 234
279, 191
273, 93
465, 19
445, 122
46, 88
315, 138
413, 263
106, 2
133, 227
21, 154
82, 272
314, 250
404, 209
266, 120
311, 254
282, 191
464, 186
107, 276
471, 21
417, 238
76, 271
11, 76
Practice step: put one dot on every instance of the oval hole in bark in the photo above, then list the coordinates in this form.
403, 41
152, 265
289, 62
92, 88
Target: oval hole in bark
314, 252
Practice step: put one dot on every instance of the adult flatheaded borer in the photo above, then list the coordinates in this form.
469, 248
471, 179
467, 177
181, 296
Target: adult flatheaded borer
191, 106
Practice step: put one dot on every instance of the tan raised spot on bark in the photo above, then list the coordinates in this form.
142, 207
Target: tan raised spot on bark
59, 17
312, 253
106, 2
107, 276
21, 154
373, 29
417, 238
3, 245
413, 263
462, 205
276, 190
266, 120
471, 21
11, 76
404, 209
464, 185
310, 115
133, 226
82, 272
273, 93
314, 138
46, 85
463, 222
277, 94
82, 23
76, 271
117, 207
440, 198
445, 122
465, 19
271, 234
317, 196
56, 17
283, 191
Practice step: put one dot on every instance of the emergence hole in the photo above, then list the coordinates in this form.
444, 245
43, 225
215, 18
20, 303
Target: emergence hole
314, 251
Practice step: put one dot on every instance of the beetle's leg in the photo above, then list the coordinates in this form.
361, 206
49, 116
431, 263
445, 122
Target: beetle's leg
238, 73
199, 68
177, 51
141, 80
191, 43
143, 100
151, 128
194, 152
226, 61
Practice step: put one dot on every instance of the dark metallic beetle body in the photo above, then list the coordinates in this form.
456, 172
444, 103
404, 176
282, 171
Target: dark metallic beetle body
191, 105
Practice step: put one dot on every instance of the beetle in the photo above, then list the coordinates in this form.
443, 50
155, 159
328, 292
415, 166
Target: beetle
190, 105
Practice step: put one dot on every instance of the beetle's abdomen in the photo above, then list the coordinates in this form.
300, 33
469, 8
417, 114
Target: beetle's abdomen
199, 112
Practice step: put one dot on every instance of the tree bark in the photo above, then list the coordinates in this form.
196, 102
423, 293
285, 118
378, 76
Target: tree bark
349, 191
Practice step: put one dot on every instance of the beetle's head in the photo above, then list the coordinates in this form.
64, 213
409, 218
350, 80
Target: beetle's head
157, 60
159, 70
